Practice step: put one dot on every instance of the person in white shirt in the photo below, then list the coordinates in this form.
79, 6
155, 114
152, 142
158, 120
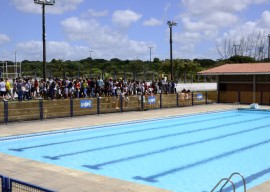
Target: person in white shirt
3, 90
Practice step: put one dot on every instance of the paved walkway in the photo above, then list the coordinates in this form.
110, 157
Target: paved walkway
64, 179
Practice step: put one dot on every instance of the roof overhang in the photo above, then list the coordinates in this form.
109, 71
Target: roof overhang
216, 74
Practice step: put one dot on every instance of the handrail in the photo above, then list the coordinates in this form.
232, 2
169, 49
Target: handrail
228, 180
243, 179
236, 105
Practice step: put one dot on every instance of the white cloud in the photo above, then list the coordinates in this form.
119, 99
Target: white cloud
94, 13
264, 22
206, 20
103, 40
124, 18
4, 39
206, 7
187, 42
152, 22
187, 37
32, 50
260, 26
196, 26
59, 7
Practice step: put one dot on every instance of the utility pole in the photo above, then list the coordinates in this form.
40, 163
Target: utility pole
44, 3
268, 47
151, 68
90, 63
171, 24
16, 74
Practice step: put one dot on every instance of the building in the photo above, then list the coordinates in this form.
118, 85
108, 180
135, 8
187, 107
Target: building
244, 83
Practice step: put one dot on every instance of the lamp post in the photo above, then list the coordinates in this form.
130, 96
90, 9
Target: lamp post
90, 63
44, 3
268, 47
15, 70
171, 24
151, 68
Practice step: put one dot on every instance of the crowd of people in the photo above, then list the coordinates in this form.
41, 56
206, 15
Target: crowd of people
30, 88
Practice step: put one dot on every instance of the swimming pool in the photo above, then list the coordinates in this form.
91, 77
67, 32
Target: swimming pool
180, 153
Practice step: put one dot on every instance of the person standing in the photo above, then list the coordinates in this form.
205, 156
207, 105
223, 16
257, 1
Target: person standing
2, 89
14, 90
27, 93
8, 89
20, 90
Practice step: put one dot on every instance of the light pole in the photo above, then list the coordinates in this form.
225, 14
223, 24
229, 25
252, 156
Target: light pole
16, 74
151, 68
268, 47
44, 3
90, 63
171, 24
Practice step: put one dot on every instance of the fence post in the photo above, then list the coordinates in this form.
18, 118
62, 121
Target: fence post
206, 97
71, 106
98, 105
177, 100
239, 96
192, 100
41, 109
160, 99
6, 184
6, 111
142, 106
121, 103
261, 98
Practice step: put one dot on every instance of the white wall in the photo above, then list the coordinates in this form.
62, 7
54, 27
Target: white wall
196, 86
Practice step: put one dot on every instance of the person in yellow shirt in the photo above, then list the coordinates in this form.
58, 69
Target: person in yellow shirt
84, 87
8, 88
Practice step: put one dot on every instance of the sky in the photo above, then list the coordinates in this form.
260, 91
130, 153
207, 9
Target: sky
127, 29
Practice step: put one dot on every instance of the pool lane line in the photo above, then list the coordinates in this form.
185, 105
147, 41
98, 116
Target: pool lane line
98, 166
153, 178
117, 134
16, 137
146, 140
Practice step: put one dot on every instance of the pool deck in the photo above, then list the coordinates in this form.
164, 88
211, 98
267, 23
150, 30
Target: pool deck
64, 179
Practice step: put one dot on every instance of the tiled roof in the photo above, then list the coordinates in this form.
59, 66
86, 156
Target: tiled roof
238, 69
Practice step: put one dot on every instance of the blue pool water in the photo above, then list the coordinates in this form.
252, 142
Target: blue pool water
180, 153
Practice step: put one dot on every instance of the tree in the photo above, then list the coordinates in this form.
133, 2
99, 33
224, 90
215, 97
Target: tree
241, 59
205, 63
252, 45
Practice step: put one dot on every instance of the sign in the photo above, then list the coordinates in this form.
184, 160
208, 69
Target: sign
199, 96
86, 104
151, 100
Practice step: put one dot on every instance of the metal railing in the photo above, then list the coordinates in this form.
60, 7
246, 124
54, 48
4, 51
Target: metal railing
224, 179
232, 183
237, 105
13, 185
243, 179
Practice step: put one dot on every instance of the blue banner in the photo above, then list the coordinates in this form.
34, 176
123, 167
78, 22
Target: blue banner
86, 103
199, 96
151, 100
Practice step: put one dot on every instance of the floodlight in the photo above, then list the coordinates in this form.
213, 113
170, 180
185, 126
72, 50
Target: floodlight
45, 2
171, 23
